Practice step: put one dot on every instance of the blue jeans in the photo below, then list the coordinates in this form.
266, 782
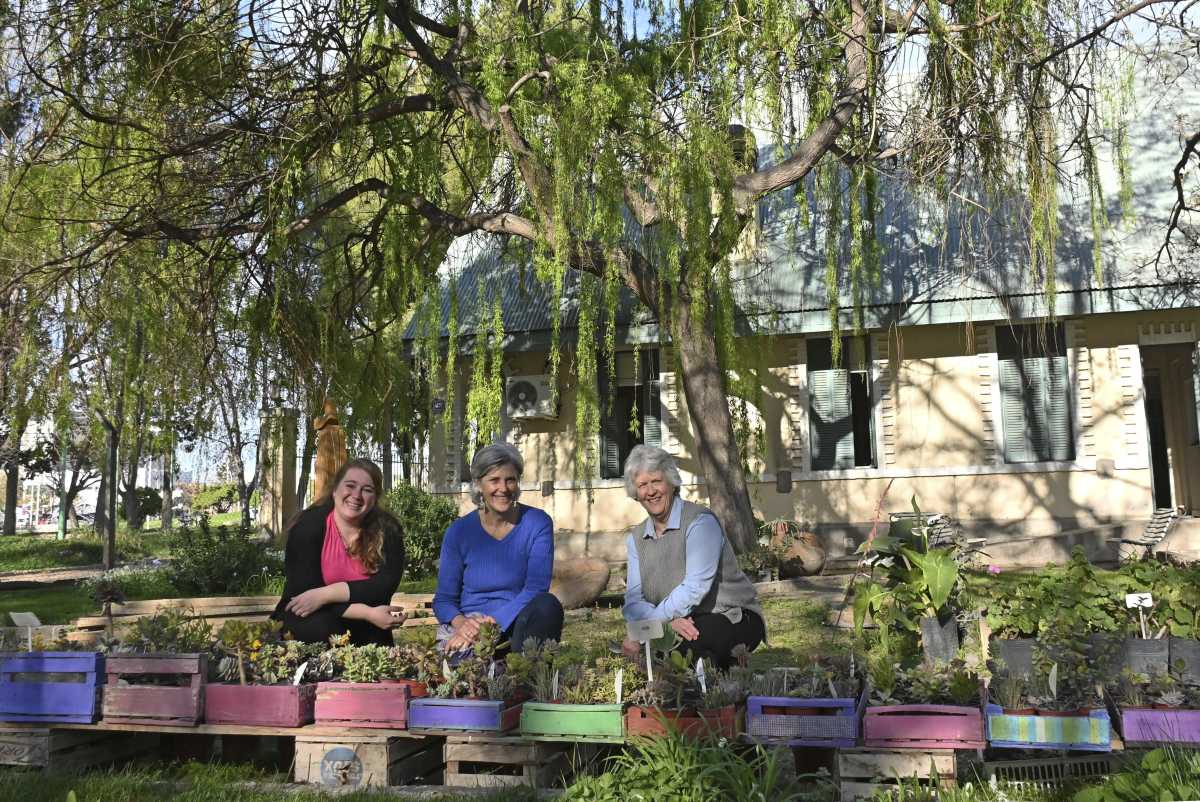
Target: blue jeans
541, 618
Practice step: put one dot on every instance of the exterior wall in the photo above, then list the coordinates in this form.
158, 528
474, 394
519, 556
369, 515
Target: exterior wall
936, 436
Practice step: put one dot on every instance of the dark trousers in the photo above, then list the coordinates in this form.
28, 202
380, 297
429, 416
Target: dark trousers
542, 619
718, 636
324, 623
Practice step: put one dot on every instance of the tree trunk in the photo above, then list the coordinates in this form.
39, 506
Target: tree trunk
100, 519
167, 488
110, 502
385, 454
12, 479
310, 449
716, 447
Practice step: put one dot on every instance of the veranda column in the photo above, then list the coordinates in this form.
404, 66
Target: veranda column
278, 504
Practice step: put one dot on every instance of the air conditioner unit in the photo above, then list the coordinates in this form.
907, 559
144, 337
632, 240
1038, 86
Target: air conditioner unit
529, 397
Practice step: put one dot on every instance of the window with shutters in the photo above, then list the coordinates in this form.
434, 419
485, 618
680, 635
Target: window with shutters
1035, 393
839, 405
630, 409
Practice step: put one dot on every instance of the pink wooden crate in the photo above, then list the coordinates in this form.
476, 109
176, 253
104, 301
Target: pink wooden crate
176, 705
923, 727
382, 705
261, 705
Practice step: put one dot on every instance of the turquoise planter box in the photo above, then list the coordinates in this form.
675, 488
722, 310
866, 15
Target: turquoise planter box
1092, 733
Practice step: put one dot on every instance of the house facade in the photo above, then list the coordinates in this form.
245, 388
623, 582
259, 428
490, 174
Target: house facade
1037, 428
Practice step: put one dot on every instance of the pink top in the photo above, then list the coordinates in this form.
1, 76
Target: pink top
337, 565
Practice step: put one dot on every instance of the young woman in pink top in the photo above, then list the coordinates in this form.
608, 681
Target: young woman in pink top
343, 561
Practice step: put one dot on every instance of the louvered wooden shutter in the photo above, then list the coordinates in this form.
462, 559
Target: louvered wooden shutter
1196, 393
610, 454
831, 427
1035, 398
652, 412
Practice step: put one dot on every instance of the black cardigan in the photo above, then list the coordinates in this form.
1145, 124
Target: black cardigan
302, 565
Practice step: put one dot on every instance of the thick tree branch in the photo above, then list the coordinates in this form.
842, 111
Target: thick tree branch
1099, 29
1190, 148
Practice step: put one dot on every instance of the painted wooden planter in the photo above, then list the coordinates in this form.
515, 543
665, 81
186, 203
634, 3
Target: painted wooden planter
262, 705
173, 705
381, 705
1092, 732
51, 687
923, 727
803, 722
485, 715
719, 723
550, 721
1141, 725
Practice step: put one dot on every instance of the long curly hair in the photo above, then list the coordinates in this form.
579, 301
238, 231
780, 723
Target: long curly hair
368, 549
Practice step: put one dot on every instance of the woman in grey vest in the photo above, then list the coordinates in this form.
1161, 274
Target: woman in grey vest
682, 569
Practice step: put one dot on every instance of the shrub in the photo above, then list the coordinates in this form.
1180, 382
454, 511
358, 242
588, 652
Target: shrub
213, 561
423, 520
221, 497
149, 499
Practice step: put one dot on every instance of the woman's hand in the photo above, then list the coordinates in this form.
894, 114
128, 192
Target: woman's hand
631, 648
307, 603
686, 629
466, 630
385, 617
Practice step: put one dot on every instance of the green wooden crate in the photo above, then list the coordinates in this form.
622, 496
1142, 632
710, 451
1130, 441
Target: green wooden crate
543, 721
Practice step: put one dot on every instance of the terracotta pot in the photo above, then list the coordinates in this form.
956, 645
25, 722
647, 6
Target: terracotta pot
1157, 706
1020, 711
1083, 711
805, 556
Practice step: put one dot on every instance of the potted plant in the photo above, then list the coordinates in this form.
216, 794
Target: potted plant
263, 677
680, 697
368, 686
1067, 714
819, 705
473, 693
1158, 709
158, 676
928, 706
1009, 690
571, 699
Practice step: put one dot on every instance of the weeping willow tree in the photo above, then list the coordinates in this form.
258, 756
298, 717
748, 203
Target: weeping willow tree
613, 137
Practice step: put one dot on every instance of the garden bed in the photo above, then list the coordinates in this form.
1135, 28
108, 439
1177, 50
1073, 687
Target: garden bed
719, 723
380, 705
483, 715
51, 687
550, 721
803, 722
1091, 732
262, 705
923, 727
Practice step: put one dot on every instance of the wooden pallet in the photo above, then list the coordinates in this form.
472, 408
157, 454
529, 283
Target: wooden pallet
504, 763
365, 758
863, 772
219, 609
57, 750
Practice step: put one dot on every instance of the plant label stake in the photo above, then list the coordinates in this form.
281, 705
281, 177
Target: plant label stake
700, 675
554, 685
1141, 601
299, 673
644, 632
620, 683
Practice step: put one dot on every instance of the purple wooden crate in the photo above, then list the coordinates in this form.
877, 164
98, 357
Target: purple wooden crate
1142, 725
803, 722
463, 714
51, 700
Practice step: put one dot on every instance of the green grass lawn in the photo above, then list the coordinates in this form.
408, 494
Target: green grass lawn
191, 782
31, 552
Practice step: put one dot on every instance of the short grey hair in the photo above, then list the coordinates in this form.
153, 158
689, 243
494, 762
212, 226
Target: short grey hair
650, 459
488, 459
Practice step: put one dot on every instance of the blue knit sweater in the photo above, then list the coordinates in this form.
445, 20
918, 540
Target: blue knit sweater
479, 574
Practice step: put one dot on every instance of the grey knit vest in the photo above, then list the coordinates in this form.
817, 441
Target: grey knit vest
663, 562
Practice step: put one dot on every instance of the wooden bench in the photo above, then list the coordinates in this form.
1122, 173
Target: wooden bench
219, 609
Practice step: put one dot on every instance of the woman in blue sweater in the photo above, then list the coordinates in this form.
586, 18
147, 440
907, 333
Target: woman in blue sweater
497, 562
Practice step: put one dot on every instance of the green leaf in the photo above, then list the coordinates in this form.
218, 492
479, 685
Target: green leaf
939, 574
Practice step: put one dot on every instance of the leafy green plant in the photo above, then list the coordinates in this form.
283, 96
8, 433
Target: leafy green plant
209, 561
238, 640
828, 677
425, 518
218, 497
1008, 690
175, 630
1163, 775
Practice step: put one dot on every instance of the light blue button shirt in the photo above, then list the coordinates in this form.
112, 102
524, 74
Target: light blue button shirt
702, 555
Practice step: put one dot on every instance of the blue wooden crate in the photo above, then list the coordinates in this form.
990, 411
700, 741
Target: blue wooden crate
53, 699
1091, 733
